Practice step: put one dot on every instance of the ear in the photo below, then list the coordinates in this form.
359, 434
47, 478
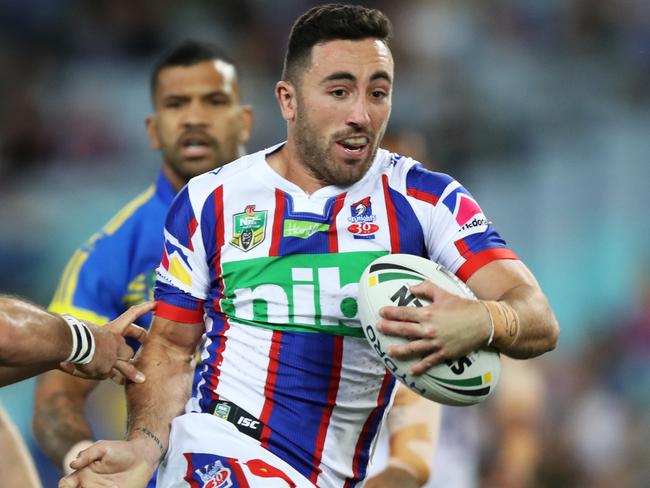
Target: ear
246, 118
150, 123
285, 92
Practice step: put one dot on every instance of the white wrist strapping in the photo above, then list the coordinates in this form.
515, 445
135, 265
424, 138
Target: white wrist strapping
83, 342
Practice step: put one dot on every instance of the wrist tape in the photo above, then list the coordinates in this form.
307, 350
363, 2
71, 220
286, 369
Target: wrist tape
83, 342
504, 323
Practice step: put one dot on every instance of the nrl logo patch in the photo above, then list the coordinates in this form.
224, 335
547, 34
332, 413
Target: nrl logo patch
249, 228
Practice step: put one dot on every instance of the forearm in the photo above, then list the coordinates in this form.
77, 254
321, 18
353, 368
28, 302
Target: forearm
528, 332
16, 464
59, 421
31, 335
13, 374
413, 424
153, 404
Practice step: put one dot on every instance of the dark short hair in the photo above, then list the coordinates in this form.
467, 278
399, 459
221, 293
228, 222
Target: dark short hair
187, 53
327, 23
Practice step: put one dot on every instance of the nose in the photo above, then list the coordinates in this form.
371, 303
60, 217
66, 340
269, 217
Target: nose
195, 115
358, 115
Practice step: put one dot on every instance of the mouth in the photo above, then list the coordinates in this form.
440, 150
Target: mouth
354, 146
195, 145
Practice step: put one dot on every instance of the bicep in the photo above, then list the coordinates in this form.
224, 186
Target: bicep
497, 278
177, 336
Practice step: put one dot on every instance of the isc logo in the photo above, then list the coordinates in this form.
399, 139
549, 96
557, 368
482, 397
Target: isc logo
248, 422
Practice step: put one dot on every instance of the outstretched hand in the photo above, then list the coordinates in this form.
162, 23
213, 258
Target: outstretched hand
109, 464
448, 328
112, 354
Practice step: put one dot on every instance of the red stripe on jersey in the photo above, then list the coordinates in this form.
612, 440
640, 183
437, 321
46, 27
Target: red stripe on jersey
165, 260
333, 234
480, 259
332, 392
192, 228
220, 238
423, 195
179, 314
393, 227
238, 473
463, 249
365, 431
269, 387
189, 474
278, 220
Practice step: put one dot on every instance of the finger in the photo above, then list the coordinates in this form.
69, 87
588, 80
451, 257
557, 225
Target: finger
130, 372
402, 314
89, 455
425, 289
69, 481
125, 352
403, 329
131, 315
427, 363
414, 349
134, 331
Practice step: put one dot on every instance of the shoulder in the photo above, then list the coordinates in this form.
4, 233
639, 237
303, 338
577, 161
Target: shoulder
415, 179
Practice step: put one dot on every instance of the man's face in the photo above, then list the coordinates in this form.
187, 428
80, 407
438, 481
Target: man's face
343, 103
198, 122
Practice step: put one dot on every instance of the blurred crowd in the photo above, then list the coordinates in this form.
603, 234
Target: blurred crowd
542, 109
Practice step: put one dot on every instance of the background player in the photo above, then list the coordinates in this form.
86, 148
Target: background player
198, 124
335, 96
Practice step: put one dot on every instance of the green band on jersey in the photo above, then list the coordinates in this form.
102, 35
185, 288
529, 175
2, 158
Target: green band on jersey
301, 292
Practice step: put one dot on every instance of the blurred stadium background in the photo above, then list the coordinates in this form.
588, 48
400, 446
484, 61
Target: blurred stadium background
541, 109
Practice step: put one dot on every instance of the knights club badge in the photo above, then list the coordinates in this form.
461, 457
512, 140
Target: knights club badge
248, 228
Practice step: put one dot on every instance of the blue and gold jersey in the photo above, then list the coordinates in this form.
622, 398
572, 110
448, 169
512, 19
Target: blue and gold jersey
115, 268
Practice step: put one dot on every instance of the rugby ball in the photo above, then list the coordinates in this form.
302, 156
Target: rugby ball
464, 381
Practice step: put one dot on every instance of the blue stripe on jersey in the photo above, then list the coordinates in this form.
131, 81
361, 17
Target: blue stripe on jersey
371, 428
427, 181
207, 222
173, 296
484, 240
316, 243
301, 389
209, 370
179, 216
411, 236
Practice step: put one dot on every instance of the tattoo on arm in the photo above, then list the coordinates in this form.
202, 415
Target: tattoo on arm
153, 437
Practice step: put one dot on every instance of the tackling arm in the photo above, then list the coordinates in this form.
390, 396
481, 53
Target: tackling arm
59, 422
166, 359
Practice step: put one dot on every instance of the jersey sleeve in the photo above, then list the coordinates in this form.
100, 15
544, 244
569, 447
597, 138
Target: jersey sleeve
458, 235
182, 278
93, 282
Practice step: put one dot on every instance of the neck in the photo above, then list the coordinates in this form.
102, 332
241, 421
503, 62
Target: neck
287, 163
176, 181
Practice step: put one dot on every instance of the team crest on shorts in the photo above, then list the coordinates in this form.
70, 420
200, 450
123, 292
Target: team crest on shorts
249, 228
362, 220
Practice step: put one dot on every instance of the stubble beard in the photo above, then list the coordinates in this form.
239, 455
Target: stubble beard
314, 155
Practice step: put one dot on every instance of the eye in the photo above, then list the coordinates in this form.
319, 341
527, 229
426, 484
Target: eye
338, 93
378, 94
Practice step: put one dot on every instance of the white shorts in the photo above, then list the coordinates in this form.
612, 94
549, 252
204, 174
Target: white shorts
208, 452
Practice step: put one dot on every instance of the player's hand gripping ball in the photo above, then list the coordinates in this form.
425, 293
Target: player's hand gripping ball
464, 381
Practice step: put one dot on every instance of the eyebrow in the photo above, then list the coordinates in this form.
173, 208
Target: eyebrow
344, 75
